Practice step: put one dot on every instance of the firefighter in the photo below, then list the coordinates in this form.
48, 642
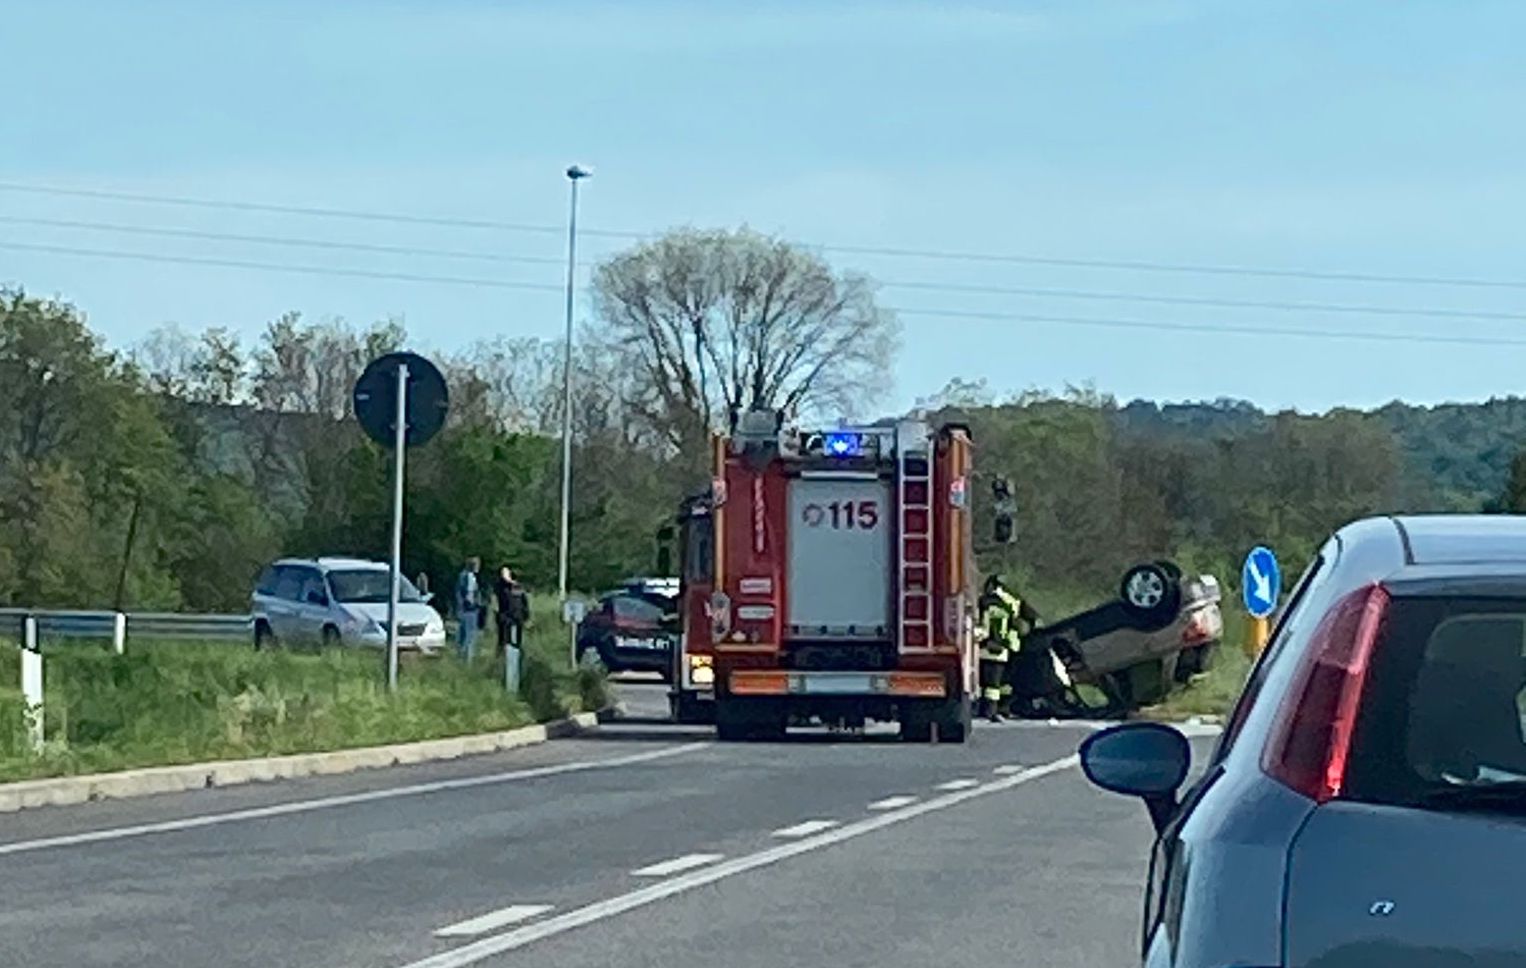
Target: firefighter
999, 614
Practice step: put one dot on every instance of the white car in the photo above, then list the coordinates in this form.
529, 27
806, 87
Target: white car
339, 601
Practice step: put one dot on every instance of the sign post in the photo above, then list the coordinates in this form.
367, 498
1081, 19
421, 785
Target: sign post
401, 401
31, 681
1260, 586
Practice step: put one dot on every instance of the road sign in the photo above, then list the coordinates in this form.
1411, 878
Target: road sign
1260, 582
425, 402
400, 401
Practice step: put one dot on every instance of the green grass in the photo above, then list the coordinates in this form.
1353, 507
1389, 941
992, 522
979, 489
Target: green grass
165, 703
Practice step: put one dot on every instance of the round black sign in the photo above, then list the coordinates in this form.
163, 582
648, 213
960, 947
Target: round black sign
376, 399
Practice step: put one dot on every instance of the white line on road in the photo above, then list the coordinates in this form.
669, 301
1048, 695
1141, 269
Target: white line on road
892, 803
303, 806
501, 918
677, 864
805, 829
957, 785
470, 954
1009, 769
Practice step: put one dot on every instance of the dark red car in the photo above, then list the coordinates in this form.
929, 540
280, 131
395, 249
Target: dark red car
632, 629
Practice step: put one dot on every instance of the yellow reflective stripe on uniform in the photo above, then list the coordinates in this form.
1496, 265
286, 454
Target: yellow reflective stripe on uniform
1012, 602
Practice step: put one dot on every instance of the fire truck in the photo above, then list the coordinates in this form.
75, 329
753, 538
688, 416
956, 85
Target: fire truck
828, 578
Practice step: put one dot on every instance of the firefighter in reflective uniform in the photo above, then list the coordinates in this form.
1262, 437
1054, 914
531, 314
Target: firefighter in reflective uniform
1000, 613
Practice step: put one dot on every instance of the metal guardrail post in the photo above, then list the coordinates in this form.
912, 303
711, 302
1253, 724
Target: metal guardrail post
119, 633
31, 680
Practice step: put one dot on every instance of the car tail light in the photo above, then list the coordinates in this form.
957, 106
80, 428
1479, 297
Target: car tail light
1311, 738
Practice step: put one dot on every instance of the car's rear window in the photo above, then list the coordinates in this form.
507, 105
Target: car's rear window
1445, 702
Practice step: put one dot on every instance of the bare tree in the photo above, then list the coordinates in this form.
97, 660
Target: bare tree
706, 323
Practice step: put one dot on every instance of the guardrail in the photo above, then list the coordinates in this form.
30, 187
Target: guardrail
108, 625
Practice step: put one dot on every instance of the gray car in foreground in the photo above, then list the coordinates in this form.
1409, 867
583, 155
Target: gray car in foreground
1366, 804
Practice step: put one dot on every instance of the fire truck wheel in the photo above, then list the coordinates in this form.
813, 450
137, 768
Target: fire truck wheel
953, 718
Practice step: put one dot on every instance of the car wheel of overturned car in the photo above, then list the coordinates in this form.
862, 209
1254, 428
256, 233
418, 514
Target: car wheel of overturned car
1151, 595
264, 638
330, 636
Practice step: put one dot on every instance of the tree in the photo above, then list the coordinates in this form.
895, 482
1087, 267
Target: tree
707, 323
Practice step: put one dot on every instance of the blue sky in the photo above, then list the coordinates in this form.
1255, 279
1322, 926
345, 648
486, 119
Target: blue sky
1368, 137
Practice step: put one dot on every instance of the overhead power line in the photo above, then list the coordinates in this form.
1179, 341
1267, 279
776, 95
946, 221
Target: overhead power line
881, 251
940, 313
1216, 330
313, 211
1205, 301
174, 233
974, 289
279, 267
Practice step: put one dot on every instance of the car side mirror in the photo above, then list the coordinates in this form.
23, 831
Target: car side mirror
1145, 760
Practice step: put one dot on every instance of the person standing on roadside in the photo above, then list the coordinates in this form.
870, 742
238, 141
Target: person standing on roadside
513, 609
468, 609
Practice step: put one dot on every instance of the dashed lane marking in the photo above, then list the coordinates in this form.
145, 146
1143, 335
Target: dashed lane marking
485, 948
493, 920
676, 865
892, 803
806, 828
964, 784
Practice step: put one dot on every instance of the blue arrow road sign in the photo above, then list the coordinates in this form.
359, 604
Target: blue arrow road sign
1260, 582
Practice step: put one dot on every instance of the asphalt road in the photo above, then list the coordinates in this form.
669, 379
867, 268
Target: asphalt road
644, 844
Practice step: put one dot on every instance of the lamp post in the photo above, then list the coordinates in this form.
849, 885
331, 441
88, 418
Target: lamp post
575, 174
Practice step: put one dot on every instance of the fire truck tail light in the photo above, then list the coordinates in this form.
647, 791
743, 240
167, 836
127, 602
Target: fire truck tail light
916, 684
760, 683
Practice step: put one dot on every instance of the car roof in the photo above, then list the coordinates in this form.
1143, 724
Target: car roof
333, 563
1464, 539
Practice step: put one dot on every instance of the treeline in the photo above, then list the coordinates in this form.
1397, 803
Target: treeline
164, 476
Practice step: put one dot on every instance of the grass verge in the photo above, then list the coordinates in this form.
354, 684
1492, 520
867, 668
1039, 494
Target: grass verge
165, 703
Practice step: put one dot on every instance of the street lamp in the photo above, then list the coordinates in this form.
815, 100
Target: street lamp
575, 174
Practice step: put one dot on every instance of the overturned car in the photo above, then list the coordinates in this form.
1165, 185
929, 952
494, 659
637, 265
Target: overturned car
1162, 629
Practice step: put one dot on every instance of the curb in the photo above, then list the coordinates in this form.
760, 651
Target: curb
58, 791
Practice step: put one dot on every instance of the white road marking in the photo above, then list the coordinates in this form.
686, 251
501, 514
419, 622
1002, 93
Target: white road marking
806, 828
501, 918
470, 954
677, 864
320, 803
892, 803
1009, 769
957, 785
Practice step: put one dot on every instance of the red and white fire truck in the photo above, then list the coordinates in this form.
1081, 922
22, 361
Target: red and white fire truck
829, 578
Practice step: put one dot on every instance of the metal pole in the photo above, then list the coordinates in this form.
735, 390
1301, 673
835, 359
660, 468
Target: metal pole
575, 173
572, 249
399, 446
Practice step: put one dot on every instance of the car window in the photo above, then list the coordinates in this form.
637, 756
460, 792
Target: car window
288, 582
1445, 701
369, 586
635, 610
313, 585
266, 585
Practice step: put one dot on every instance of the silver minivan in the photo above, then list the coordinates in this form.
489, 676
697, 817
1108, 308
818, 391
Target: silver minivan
339, 601
1366, 804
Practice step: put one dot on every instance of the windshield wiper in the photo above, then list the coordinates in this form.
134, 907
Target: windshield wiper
1500, 795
